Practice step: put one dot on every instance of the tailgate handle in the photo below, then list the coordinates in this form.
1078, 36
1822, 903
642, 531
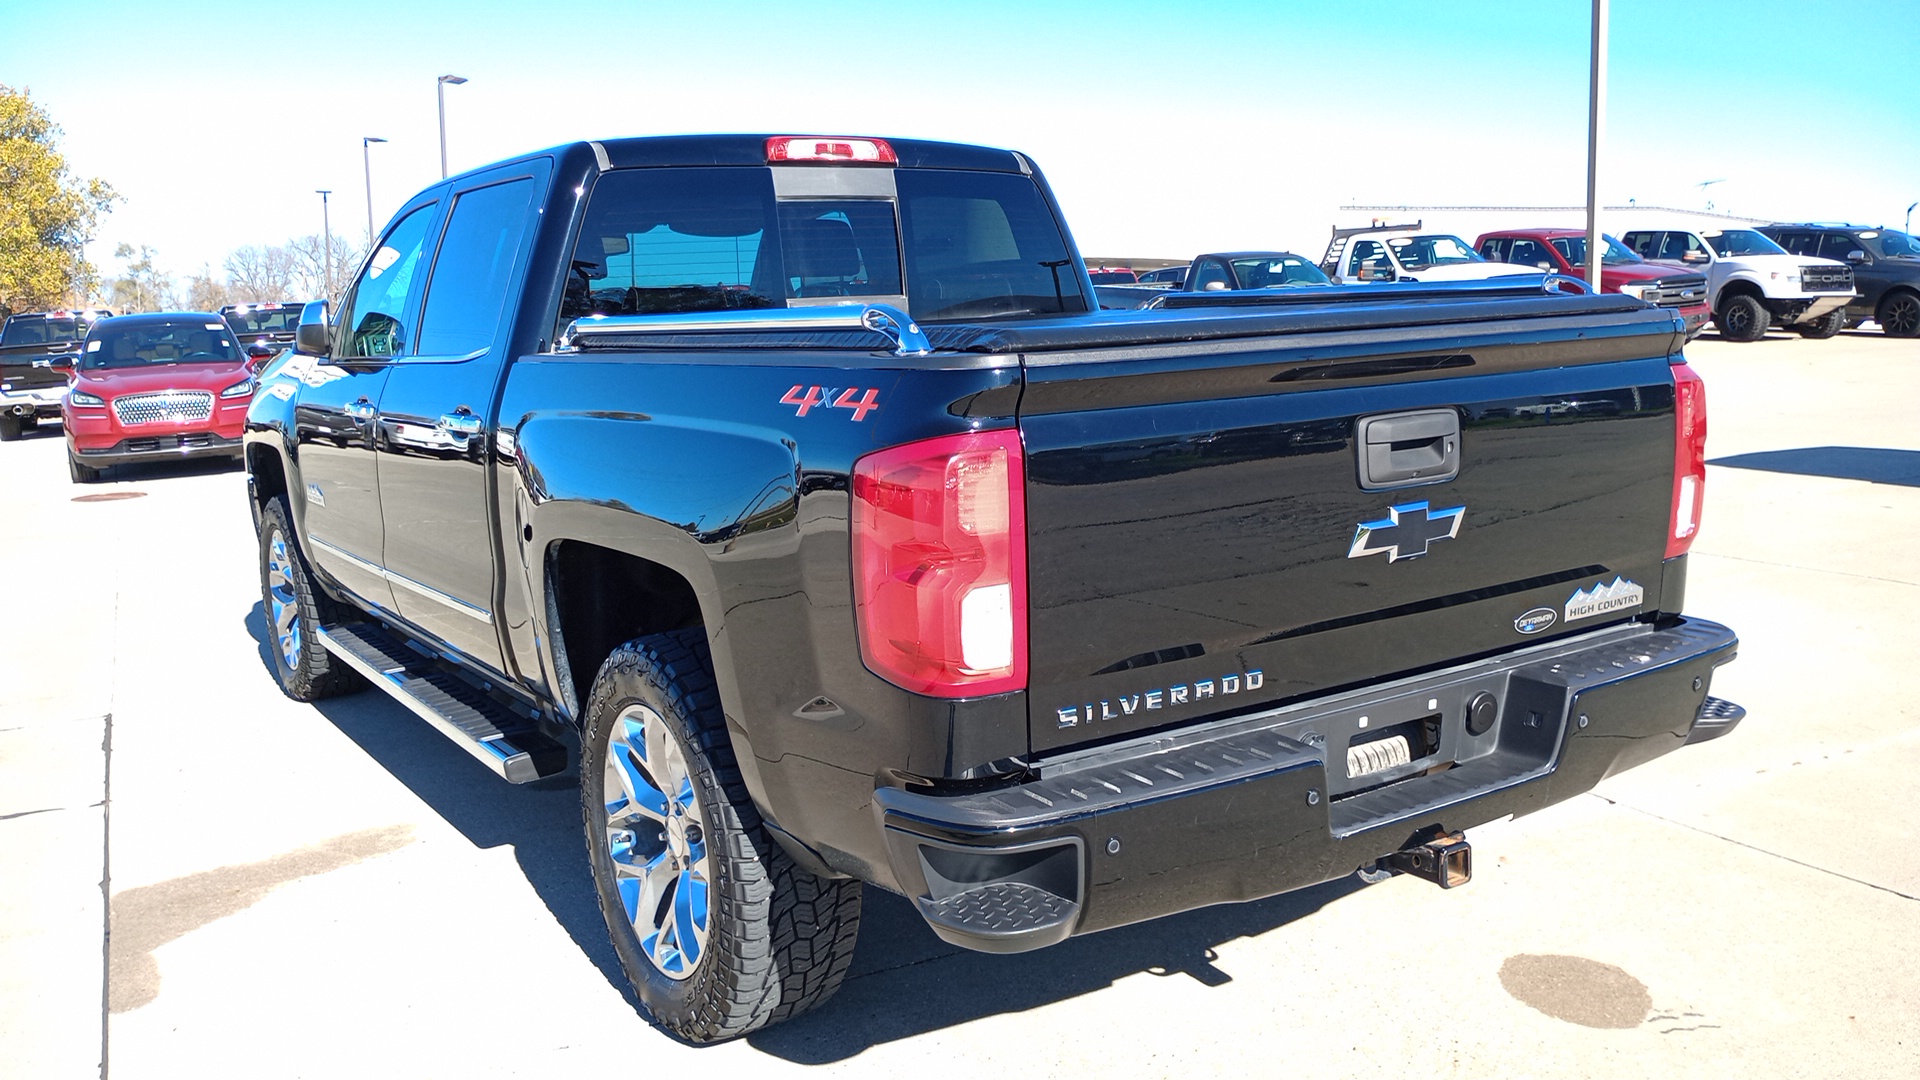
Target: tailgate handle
1408, 449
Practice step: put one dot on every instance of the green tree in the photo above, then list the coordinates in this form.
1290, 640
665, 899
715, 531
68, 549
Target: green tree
46, 214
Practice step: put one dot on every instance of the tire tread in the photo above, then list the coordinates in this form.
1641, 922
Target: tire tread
780, 939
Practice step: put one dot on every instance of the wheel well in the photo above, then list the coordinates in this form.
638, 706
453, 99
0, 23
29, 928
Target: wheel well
269, 479
1894, 294
1738, 288
599, 599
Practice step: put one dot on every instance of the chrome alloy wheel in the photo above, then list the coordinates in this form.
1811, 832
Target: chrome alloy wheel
657, 840
286, 601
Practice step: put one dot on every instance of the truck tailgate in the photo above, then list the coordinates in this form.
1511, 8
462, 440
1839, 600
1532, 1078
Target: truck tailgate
1200, 542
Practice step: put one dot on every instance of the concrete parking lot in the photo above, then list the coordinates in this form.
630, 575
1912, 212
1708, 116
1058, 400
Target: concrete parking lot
199, 877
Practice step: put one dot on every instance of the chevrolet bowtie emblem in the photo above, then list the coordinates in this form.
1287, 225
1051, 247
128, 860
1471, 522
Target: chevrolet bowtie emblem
1406, 531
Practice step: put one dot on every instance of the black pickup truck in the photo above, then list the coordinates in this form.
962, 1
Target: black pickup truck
798, 484
38, 351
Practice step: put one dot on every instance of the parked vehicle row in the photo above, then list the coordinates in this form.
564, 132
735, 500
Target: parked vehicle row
1813, 279
870, 551
166, 385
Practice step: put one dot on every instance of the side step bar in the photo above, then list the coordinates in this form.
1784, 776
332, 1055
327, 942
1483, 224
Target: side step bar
510, 745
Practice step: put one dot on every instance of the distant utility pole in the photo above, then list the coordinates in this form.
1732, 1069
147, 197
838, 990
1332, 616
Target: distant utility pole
1596, 125
1909, 229
326, 232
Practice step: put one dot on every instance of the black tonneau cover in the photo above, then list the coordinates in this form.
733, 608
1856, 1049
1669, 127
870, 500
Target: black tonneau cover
1215, 316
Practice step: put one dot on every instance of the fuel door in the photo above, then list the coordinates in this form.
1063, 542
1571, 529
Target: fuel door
1408, 449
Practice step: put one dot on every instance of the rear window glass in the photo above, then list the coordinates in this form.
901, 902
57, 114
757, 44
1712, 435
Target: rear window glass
131, 344
658, 241
31, 331
983, 244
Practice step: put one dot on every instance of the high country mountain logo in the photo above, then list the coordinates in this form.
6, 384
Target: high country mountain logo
1617, 595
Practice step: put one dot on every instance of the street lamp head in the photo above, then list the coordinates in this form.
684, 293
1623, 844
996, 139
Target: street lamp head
454, 80
365, 139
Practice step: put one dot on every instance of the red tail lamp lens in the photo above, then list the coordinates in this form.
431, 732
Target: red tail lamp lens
940, 564
1689, 459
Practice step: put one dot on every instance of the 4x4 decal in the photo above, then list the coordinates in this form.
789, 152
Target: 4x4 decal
833, 397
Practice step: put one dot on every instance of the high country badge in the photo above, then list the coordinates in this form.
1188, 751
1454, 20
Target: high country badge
1604, 598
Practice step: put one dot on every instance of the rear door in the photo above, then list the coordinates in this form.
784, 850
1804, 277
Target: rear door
436, 417
1201, 539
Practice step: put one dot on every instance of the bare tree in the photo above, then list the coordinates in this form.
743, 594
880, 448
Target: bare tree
310, 276
256, 274
206, 292
143, 287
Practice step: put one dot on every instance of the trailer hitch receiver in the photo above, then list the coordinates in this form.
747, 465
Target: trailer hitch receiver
1446, 860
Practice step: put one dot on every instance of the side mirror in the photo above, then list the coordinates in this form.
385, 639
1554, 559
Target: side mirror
1694, 257
1545, 265
315, 337
66, 362
1856, 256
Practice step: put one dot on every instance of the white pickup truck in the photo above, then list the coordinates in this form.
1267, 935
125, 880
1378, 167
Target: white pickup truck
1753, 282
1404, 253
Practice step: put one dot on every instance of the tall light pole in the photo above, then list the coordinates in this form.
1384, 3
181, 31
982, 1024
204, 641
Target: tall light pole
1596, 125
326, 231
1909, 229
366, 160
440, 90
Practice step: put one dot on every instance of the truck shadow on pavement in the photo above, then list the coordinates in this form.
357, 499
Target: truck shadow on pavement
907, 982
904, 981
539, 821
1874, 464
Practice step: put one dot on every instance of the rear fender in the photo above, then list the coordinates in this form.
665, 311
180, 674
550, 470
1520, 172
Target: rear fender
684, 493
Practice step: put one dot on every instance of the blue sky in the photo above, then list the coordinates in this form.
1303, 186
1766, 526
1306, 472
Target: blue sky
1166, 128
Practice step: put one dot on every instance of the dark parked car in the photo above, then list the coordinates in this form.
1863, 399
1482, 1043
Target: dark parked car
1886, 269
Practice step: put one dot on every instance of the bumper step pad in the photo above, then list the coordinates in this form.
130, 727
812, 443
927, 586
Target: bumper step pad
1717, 717
1000, 908
510, 744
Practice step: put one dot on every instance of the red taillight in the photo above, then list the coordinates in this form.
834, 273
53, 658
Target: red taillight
940, 564
1689, 459
830, 148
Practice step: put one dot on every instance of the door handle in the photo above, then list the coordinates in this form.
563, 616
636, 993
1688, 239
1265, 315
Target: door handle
462, 423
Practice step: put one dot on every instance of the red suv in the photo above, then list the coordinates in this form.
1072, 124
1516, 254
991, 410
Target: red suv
156, 387
1564, 251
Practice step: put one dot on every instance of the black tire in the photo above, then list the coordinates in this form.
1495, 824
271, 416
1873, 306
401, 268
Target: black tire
81, 474
1899, 314
1825, 326
10, 428
1742, 318
778, 939
307, 671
